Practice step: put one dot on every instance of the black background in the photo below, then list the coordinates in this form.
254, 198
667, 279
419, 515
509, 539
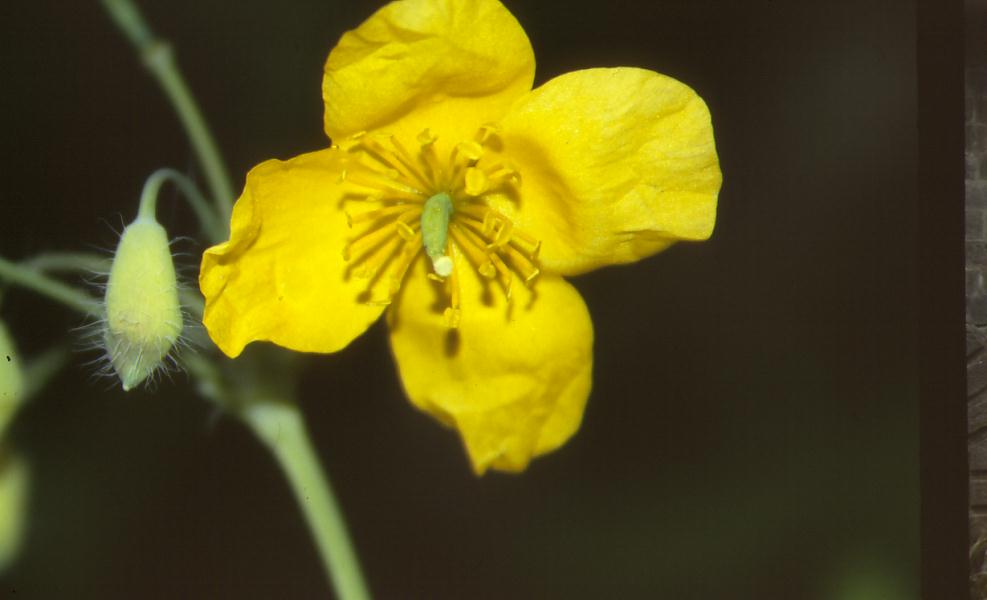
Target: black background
753, 430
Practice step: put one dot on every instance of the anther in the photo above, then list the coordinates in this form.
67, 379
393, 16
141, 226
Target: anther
405, 230
476, 182
484, 132
471, 151
426, 138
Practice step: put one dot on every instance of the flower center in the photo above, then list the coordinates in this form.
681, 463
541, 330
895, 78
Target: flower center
402, 202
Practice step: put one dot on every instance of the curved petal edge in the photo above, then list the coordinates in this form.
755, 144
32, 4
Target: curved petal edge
513, 379
282, 277
413, 55
618, 164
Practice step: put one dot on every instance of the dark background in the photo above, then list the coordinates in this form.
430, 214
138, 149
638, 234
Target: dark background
753, 429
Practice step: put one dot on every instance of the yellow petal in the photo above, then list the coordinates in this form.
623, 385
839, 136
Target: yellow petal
617, 164
282, 276
429, 62
513, 380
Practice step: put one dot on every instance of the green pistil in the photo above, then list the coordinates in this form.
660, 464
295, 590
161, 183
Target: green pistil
435, 231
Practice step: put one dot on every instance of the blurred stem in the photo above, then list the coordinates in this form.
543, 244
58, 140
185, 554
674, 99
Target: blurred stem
281, 427
160, 61
208, 220
37, 282
209, 377
40, 369
69, 261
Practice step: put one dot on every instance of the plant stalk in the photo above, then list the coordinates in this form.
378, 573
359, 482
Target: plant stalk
281, 427
160, 61
56, 290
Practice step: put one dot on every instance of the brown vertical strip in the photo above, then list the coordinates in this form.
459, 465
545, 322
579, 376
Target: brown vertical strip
943, 464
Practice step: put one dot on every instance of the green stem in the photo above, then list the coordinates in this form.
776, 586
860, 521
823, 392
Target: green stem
160, 61
56, 290
208, 220
209, 378
69, 261
94, 263
280, 426
40, 369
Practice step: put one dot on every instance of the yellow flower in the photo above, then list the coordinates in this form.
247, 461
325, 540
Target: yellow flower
455, 198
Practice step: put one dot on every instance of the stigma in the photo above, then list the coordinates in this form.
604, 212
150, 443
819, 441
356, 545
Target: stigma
432, 200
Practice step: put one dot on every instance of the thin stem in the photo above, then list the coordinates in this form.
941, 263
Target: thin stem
281, 427
69, 261
40, 369
160, 61
56, 290
209, 378
208, 220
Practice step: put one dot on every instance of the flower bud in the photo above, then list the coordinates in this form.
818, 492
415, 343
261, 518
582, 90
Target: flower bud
14, 483
11, 380
143, 316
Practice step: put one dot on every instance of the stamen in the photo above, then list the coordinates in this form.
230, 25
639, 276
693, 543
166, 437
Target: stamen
417, 201
495, 234
477, 182
501, 174
372, 161
368, 180
369, 264
405, 157
405, 230
471, 151
365, 242
352, 141
427, 157
408, 255
380, 213
452, 314
526, 243
505, 278
522, 264
393, 159
483, 230
494, 223
363, 198
474, 251
475, 211
484, 132
426, 138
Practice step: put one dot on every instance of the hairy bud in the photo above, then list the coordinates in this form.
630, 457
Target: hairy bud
143, 315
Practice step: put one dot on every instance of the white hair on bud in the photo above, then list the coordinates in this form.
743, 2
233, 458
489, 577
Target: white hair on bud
141, 331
